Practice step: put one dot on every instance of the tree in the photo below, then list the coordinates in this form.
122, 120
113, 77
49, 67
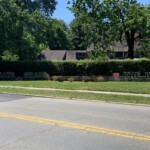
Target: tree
78, 35
145, 48
32, 27
113, 20
8, 13
46, 7
58, 35
22, 25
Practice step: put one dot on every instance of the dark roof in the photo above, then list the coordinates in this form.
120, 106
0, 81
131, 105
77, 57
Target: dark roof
71, 54
61, 54
54, 54
119, 47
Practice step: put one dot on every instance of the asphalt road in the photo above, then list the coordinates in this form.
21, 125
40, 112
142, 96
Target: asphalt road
35, 123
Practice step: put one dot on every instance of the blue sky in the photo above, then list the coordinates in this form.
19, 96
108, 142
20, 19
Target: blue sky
63, 13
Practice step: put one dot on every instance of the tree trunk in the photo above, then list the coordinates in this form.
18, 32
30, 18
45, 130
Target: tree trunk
130, 42
130, 49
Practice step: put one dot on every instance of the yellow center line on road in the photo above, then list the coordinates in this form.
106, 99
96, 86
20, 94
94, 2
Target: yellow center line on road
118, 133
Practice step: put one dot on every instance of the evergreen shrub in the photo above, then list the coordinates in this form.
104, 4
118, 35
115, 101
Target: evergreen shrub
76, 68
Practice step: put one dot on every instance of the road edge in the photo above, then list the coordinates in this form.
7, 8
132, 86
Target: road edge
63, 98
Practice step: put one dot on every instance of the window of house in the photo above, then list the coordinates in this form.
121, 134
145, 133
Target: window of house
119, 54
80, 55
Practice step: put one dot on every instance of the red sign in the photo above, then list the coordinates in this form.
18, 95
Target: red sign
116, 75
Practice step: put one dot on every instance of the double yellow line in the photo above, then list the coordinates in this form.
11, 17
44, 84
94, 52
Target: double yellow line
119, 133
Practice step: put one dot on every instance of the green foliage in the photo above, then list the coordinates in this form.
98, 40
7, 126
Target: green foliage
8, 56
99, 55
109, 21
57, 35
77, 68
96, 27
47, 7
22, 26
78, 34
145, 48
8, 14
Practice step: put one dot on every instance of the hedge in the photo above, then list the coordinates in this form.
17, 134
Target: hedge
76, 68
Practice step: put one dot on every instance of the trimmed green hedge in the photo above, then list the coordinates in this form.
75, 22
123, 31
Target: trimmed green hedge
77, 68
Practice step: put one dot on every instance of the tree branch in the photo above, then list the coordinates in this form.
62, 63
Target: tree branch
139, 36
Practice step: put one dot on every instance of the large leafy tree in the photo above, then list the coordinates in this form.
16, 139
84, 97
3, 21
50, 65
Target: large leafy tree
78, 34
113, 20
58, 35
22, 25
8, 15
46, 7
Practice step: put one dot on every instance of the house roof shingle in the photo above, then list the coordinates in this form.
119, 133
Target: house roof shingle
54, 54
61, 54
71, 54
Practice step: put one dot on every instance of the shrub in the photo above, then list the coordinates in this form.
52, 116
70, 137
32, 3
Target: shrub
71, 79
76, 68
58, 78
100, 79
43, 76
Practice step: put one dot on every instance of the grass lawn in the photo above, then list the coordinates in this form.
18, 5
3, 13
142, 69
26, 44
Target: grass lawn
78, 95
128, 87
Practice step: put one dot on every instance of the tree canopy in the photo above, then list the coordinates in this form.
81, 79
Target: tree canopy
58, 35
22, 25
78, 35
27, 27
109, 21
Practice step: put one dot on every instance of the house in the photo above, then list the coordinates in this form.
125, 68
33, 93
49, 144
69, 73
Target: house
63, 55
120, 52
53, 55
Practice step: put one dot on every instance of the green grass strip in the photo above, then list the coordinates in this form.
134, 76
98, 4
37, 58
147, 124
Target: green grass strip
78, 95
127, 87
